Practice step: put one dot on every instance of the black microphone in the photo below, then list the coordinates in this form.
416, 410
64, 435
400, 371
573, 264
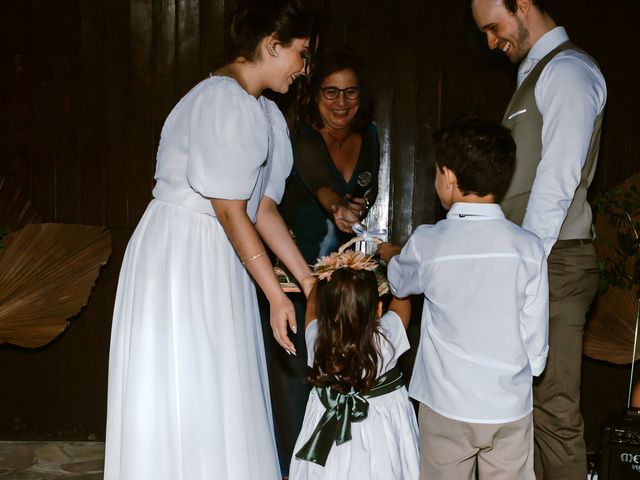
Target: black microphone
363, 186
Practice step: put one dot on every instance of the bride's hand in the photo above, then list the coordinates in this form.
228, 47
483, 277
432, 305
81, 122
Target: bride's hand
283, 315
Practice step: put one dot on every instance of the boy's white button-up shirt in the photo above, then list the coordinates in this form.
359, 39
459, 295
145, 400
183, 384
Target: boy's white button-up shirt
485, 317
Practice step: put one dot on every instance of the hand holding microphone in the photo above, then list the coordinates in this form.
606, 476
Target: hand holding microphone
357, 201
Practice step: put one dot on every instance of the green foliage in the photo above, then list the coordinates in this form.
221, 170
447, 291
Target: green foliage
622, 209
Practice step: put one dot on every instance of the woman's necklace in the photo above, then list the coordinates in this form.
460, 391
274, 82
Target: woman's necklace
337, 141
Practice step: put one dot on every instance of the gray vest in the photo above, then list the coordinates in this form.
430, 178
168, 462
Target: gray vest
526, 127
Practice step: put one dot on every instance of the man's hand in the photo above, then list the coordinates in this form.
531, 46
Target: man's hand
386, 251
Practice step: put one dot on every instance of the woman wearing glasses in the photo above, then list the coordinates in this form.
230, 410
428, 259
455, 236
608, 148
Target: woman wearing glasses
334, 146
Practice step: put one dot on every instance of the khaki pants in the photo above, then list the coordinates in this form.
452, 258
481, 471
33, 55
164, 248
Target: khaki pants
560, 452
454, 450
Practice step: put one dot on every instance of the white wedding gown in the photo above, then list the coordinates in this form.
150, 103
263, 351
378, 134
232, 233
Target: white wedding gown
188, 390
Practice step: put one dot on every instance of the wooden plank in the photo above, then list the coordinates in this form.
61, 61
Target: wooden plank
117, 79
90, 113
403, 151
383, 90
229, 9
42, 135
66, 52
187, 67
358, 31
140, 138
333, 23
157, 102
212, 28
15, 99
428, 110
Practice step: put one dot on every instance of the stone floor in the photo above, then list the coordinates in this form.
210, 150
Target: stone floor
51, 460
67, 460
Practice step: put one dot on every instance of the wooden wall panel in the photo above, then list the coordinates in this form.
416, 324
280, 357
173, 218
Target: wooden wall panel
118, 75
85, 87
149, 38
15, 48
44, 102
212, 35
91, 94
403, 69
187, 46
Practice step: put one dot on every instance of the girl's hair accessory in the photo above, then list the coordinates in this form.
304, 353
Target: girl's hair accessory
325, 266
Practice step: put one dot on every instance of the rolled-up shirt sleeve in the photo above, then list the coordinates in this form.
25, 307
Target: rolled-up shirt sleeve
534, 317
570, 94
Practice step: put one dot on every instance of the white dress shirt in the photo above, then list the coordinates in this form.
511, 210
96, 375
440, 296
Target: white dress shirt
485, 315
570, 94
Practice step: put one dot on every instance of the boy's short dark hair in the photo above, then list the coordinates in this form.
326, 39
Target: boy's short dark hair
481, 152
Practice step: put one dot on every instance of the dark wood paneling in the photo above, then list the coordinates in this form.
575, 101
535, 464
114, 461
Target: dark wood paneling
404, 68
118, 77
91, 93
15, 48
187, 46
85, 87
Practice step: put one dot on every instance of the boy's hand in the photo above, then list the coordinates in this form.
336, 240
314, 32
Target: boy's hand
387, 251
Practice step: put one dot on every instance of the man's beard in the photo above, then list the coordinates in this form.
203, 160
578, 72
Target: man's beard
522, 40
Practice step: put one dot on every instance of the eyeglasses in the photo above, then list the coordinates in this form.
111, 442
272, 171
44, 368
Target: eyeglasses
331, 93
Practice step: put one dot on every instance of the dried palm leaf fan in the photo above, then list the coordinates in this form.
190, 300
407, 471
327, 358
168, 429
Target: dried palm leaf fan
46, 270
611, 332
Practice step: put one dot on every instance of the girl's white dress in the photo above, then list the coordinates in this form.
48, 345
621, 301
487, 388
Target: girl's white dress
188, 390
384, 446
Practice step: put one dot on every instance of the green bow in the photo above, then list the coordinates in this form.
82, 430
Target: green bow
342, 409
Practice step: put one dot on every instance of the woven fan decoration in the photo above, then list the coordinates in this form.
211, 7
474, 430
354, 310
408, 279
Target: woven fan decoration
610, 333
47, 271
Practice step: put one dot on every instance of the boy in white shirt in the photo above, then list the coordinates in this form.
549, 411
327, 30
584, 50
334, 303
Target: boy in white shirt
485, 315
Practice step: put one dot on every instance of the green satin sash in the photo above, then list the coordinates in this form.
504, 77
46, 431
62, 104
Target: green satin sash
342, 409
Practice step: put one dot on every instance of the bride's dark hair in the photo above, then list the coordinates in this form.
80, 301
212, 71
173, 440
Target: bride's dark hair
254, 20
346, 351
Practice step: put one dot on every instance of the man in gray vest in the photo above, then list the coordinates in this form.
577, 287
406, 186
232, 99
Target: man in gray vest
555, 117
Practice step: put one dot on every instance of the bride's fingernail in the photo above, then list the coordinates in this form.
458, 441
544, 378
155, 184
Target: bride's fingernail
294, 329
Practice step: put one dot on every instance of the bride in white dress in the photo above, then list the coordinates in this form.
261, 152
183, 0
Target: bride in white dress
188, 392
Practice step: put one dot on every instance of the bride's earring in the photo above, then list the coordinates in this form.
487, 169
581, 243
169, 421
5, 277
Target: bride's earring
272, 50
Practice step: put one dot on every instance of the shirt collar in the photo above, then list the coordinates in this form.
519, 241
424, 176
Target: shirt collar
469, 211
547, 42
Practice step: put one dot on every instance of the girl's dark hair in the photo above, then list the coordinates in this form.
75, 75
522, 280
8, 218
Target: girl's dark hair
346, 354
254, 20
328, 61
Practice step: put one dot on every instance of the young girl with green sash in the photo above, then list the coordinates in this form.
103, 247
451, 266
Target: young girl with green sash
359, 422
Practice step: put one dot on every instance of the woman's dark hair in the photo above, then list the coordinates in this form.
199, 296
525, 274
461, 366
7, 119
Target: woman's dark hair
254, 20
346, 355
481, 152
328, 61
